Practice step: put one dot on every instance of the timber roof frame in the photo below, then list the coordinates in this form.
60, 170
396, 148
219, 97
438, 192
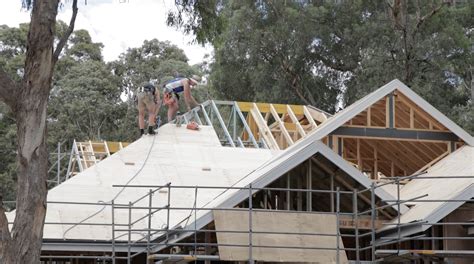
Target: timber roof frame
339, 119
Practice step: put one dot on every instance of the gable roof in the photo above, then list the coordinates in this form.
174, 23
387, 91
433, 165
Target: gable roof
274, 169
359, 106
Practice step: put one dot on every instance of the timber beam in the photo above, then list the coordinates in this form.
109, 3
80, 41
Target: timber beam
393, 133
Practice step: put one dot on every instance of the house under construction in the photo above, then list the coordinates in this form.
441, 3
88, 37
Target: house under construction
388, 179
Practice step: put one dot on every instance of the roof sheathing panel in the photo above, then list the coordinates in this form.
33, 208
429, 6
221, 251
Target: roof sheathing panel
176, 155
459, 163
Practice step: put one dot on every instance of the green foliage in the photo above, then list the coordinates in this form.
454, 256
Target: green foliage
324, 53
201, 18
81, 47
13, 49
286, 51
85, 100
7, 154
428, 47
154, 61
85, 103
331, 53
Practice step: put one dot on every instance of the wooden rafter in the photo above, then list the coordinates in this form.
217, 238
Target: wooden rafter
317, 115
421, 150
339, 179
432, 162
308, 116
420, 112
263, 128
295, 120
409, 153
286, 135
405, 164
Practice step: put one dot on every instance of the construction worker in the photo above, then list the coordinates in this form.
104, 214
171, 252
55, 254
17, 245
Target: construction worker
148, 98
171, 92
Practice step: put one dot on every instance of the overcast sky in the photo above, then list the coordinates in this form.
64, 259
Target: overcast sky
118, 24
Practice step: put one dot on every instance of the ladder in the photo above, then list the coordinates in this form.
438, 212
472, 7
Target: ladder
85, 154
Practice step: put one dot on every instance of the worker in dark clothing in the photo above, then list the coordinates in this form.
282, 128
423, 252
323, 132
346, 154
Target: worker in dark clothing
148, 99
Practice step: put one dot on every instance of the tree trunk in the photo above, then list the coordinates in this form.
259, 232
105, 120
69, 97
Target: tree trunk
30, 112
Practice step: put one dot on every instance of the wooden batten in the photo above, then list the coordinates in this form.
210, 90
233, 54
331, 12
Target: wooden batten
263, 129
310, 119
265, 108
293, 118
286, 135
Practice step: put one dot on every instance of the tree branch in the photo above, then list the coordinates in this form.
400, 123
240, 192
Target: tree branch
8, 89
432, 13
68, 33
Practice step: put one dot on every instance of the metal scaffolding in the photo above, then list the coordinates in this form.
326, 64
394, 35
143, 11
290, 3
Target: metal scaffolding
161, 243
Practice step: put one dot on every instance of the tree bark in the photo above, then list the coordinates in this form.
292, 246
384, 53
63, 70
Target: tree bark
8, 89
30, 112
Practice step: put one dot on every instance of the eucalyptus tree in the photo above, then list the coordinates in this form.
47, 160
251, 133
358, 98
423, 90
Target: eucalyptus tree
27, 100
331, 53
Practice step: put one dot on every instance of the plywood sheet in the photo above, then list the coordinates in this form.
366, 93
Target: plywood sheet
458, 163
278, 222
176, 155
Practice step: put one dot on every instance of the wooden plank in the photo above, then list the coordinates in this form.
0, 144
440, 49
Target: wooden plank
319, 116
421, 112
377, 117
285, 133
347, 222
273, 222
376, 165
391, 156
253, 127
409, 153
432, 162
359, 160
426, 152
402, 115
345, 183
293, 118
387, 110
362, 197
265, 108
369, 115
308, 116
265, 132
116, 146
335, 143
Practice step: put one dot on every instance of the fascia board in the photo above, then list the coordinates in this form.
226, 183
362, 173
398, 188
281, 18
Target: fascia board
448, 207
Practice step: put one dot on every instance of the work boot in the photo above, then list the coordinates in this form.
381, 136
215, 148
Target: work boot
151, 131
142, 131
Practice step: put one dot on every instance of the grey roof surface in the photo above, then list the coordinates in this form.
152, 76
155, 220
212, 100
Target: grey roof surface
459, 163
